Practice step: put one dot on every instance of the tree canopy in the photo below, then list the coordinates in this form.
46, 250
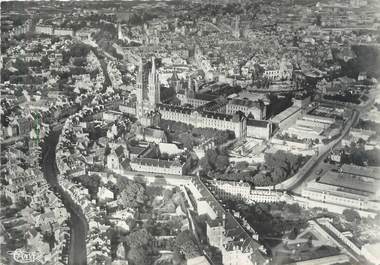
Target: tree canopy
139, 256
133, 195
21, 66
185, 243
139, 238
282, 165
214, 160
351, 215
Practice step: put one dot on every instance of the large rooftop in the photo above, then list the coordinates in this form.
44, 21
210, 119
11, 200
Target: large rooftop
352, 180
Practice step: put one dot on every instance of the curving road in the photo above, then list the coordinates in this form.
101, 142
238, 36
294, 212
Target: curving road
298, 184
78, 232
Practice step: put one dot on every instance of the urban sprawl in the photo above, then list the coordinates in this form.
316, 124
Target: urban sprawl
212, 132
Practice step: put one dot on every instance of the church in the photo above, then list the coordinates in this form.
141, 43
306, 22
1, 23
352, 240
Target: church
147, 94
149, 110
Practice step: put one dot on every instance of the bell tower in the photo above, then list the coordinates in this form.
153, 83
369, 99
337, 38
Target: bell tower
153, 86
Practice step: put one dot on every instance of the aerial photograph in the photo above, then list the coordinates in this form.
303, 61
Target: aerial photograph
190, 132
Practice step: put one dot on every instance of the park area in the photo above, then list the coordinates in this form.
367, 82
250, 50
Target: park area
278, 167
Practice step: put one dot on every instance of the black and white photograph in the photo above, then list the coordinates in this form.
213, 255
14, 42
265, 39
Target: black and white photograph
190, 132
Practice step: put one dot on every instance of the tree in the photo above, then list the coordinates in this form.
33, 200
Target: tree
139, 238
294, 208
185, 243
133, 195
361, 141
80, 61
164, 156
241, 165
190, 249
293, 234
139, 256
351, 215
262, 180
45, 63
21, 66
282, 165
79, 50
373, 157
318, 20
214, 160
5, 201
167, 194
205, 165
178, 258
91, 183
221, 162
5, 74
22, 203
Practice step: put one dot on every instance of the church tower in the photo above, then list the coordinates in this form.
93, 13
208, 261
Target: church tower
140, 90
147, 93
236, 32
174, 81
189, 91
153, 86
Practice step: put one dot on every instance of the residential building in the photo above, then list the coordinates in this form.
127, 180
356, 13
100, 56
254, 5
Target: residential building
44, 29
158, 166
224, 231
63, 32
257, 109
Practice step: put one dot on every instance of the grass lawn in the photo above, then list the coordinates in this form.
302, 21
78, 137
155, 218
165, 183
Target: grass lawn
190, 136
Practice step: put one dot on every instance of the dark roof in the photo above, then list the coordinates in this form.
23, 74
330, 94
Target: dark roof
119, 151
212, 106
135, 149
153, 132
245, 102
257, 123
206, 97
175, 108
156, 162
216, 115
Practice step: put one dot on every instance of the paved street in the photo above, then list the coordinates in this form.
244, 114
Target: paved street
307, 173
